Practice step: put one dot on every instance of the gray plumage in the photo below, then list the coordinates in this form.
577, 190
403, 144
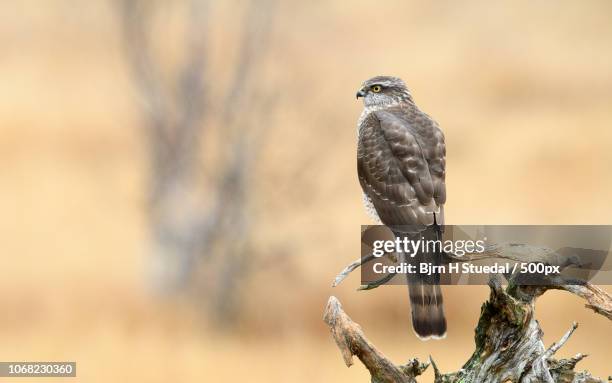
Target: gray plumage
401, 167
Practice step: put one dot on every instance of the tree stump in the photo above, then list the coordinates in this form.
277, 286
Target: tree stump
508, 338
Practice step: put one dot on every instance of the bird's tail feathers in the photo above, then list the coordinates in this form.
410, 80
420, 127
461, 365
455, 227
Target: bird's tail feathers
428, 320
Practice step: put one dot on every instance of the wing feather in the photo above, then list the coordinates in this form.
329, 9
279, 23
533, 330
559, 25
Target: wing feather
401, 168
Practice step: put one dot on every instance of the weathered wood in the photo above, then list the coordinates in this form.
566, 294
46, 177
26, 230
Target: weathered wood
351, 341
597, 299
508, 338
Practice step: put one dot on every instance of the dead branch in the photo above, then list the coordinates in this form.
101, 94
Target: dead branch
508, 338
597, 299
348, 269
351, 341
556, 346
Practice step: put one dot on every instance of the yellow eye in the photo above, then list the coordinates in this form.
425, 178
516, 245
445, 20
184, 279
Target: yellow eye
376, 88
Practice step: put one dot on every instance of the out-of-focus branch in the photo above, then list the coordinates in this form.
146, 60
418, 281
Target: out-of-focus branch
173, 129
244, 115
134, 25
192, 82
191, 219
134, 16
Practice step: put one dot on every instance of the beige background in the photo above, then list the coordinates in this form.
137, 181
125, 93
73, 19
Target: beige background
522, 90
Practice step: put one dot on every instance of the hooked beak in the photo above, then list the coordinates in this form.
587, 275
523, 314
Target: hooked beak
360, 93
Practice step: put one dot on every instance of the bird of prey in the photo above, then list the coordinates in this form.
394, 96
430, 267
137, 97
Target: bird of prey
401, 167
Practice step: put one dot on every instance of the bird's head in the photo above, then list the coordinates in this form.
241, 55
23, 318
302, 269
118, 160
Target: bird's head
382, 91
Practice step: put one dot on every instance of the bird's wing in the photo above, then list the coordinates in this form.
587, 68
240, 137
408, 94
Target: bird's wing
401, 173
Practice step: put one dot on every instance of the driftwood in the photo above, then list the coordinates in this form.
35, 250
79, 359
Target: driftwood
508, 338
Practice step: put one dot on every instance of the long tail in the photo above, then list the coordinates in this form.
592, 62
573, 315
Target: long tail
428, 318
426, 300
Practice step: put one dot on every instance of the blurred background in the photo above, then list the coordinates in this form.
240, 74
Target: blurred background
179, 184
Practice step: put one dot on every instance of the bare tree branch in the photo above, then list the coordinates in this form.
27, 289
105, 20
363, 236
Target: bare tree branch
597, 299
351, 341
352, 266
508, 347
556, 346
377, 283
508, 338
